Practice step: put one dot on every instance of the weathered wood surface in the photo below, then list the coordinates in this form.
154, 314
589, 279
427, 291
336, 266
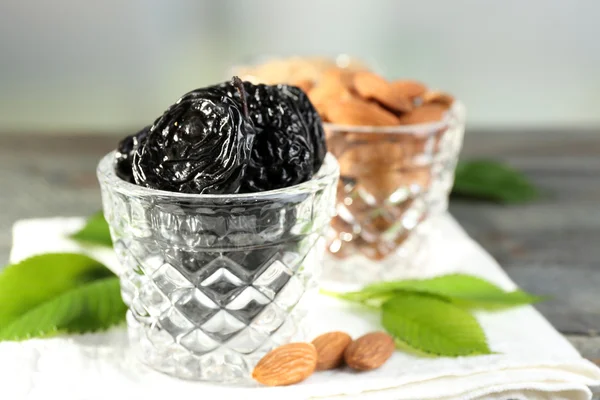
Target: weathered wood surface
550, 247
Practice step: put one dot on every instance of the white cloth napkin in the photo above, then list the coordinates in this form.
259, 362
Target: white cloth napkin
534, 360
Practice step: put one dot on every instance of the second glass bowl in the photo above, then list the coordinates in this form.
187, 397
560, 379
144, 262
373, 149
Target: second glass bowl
392, 180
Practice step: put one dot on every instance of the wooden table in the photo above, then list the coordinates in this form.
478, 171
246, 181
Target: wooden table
549, 247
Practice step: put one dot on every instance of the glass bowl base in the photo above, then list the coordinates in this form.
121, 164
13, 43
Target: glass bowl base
404, 263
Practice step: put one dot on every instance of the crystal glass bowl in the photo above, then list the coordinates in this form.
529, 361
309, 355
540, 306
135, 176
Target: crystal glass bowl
391, 180
213, 282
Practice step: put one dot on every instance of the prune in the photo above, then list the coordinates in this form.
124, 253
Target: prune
201, 145
277, 162
312, 122
189, 150
290, 146
281, 155
124, 154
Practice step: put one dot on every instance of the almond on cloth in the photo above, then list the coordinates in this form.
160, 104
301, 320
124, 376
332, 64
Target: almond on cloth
373, 87
353, 111
369, 351
409, 88
330, 349
286, 365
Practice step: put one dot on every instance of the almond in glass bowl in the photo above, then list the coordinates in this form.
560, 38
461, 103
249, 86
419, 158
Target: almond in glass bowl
397, 144
392, 179
298, 70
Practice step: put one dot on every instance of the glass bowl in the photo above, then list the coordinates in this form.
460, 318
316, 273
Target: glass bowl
392, 179
213, 282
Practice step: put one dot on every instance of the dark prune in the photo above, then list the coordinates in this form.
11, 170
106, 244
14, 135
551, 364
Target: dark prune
277, 162
201, 144
264, 99
290, 144
205, 143
124, 154
281, 155
312, 122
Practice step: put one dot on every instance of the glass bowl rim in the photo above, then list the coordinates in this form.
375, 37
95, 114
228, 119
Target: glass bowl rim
326, 176
456, 112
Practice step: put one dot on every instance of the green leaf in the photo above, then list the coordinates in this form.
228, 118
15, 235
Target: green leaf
95, 231
370, 299
433, 326
38, 279
492, 181
90, 307
463, 289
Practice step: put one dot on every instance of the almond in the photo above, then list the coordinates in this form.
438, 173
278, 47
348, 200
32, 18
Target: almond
409, 88
430, 112
322, 95
353, 111
338, 75
286, 365
374, 227
356, 205
373, 250
369, 351
330, 349
382, 182
438, 97
339, 225
304, 84
373, 87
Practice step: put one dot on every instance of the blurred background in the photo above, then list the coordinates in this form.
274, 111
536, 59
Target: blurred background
111, 66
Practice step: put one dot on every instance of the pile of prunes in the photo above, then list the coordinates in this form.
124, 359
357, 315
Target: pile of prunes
234, 137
